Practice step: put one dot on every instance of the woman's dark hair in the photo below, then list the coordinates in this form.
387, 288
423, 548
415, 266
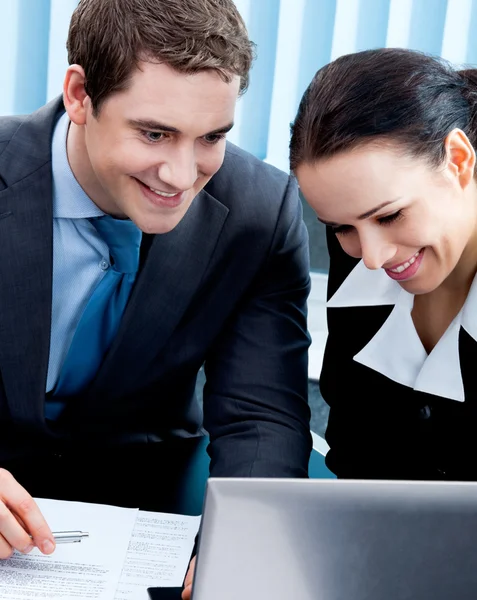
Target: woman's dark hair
389, 94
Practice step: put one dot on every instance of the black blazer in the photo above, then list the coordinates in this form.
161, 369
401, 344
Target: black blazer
227, 287
381, 429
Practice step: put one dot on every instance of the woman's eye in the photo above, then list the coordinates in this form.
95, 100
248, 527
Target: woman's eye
390, 218
387, 220
342, 229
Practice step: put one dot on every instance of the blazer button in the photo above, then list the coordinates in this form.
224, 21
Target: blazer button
425, 412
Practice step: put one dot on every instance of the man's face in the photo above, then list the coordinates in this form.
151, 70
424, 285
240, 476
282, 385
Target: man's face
155, 145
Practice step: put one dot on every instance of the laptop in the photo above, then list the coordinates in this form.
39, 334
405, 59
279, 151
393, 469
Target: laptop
291, 539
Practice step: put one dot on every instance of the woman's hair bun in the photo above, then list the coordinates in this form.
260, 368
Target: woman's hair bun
470, 80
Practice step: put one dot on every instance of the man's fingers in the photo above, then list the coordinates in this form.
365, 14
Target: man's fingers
20, 521
190, 573
186, 592
12, 532
5, 549
15, 499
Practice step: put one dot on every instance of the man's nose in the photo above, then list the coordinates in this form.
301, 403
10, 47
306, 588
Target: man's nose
376, 252
179, 170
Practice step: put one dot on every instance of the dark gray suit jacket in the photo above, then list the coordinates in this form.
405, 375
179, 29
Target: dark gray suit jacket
227, 287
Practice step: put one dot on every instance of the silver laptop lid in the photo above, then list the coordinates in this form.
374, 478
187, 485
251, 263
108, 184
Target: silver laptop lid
283, 539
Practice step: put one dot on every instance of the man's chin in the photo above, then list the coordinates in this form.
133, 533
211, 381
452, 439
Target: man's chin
158, 224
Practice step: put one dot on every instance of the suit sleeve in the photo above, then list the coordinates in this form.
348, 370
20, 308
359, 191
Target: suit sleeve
255, 399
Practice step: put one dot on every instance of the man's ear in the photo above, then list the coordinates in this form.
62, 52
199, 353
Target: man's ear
460, 156
76, 100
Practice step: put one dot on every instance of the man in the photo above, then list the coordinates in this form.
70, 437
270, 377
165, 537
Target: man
101, 350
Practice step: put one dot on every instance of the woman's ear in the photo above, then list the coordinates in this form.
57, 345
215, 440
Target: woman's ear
460, 157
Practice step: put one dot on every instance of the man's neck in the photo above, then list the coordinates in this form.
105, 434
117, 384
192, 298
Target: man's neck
81, 167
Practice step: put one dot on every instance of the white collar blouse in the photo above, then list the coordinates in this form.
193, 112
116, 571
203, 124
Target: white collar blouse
396, 350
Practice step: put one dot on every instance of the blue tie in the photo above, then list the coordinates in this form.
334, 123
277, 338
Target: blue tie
102, 315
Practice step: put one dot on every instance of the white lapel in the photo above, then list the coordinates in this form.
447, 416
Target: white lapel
396, 350
364, 287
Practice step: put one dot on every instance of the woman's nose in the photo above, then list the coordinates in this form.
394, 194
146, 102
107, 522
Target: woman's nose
376, 252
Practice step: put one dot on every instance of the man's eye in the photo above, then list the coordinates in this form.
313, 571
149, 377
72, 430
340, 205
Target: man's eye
153, 136
214, 138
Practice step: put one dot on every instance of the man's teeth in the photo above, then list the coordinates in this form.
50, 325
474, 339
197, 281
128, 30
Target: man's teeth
163, 194
406, 265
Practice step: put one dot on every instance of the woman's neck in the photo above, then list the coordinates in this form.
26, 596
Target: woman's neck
464, 272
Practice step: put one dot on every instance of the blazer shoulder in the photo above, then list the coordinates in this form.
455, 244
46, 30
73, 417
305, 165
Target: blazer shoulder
28, 139
246, 182
235, 157
8, 126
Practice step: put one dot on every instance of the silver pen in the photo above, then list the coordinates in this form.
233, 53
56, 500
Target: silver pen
69, 537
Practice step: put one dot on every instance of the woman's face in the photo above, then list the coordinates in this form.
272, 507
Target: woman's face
396, 212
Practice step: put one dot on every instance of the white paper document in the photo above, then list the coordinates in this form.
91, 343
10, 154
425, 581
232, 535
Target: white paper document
126, 552
158, 554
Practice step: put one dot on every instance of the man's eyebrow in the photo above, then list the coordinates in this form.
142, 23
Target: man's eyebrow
156, 126
365, 215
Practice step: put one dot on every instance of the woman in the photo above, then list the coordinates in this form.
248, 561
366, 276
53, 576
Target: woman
383, 149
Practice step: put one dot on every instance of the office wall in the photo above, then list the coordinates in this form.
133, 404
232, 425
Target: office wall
294, 39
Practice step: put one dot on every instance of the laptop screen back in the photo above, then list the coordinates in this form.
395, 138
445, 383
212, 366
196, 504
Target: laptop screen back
337, 540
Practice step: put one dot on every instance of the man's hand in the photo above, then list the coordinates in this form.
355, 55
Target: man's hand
188, 581
20, 517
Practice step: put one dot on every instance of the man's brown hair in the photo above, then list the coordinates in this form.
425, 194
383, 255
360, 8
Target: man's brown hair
108, 38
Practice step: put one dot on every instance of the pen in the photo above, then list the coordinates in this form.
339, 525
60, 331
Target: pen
69, 537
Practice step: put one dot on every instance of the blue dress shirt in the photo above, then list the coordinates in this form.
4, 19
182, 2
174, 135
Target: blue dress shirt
80, 256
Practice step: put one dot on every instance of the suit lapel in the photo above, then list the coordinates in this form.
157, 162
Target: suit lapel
26, 265
25, 299
175, 265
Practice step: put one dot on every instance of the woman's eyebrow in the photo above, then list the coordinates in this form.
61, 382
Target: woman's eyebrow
365, 215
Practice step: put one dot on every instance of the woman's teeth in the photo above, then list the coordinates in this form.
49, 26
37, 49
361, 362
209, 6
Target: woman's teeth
406, 265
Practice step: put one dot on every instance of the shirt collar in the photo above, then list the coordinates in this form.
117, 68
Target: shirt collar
70, 201
396, 350
366, 287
